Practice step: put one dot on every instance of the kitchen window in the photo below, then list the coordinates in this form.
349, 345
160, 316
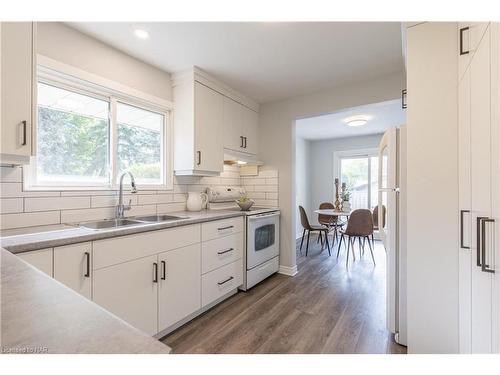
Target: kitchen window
86, 138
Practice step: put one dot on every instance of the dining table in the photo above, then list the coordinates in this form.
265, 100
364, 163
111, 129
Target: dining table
333, 213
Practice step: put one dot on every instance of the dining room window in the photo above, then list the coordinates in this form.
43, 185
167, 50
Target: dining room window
359, 171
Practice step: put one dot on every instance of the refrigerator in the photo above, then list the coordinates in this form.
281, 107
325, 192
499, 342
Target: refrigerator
392, 196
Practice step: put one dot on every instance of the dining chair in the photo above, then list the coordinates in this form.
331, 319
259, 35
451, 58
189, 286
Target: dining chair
330, 222
359, 225
311, 228
375, 221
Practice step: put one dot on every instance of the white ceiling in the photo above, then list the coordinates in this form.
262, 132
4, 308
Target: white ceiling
381, 116
265, 61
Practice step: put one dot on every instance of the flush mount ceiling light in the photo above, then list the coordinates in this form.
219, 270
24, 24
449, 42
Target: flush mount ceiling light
356, 121
141, 34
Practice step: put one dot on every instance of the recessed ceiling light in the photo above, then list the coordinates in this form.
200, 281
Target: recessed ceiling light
141, 34
356, 121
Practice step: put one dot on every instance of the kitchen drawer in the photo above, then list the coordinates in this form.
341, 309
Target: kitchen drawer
260, 272
122, 249
221, 228
221, 251
223, 280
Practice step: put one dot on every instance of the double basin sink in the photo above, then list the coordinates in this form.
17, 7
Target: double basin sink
136, 220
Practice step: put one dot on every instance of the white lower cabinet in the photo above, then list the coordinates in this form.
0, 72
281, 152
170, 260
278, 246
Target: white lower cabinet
130, 291
41, 259
73, 267
220, 282
179, 293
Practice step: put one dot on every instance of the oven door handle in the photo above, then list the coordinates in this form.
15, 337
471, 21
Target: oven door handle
262, 216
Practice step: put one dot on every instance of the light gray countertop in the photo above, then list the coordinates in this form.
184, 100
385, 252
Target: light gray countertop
41, 315
60, 235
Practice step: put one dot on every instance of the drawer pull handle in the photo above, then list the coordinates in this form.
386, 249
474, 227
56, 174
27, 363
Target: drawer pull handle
224, 228
226, 281
225, 251
87, 259
163, 270
24, 123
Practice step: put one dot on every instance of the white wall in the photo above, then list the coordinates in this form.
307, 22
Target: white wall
432, 186
303, 180
322, 189
70, 46
277, 138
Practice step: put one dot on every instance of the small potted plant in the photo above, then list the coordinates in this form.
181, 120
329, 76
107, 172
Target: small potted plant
244, 202
346, 205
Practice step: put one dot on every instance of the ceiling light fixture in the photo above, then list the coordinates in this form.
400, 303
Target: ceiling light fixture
141, 34
356, 121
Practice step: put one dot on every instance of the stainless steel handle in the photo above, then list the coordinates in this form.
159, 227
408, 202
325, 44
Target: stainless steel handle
225, 281
87, 259
155, 272
478, 239
224, 228
256, 217
225, 251
462, 30
163, 270
24, 142
199, 157
462, 229
485, 267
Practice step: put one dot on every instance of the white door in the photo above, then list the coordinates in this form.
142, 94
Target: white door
209, 140
387, 197
130, 291
465, 223
73, 267
233, 124
481, 316
250, 130
40, 259
180, 284
16, 90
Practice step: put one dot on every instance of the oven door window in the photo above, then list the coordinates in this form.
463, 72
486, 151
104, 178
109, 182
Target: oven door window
264, 237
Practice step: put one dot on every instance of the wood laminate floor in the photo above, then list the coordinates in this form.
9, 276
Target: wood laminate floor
325, 308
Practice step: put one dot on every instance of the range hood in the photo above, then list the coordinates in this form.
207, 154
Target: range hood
240, 158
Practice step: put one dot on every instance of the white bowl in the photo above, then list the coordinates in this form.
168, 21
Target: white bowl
245, 206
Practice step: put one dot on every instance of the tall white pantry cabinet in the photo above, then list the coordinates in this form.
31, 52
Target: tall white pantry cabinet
479, 187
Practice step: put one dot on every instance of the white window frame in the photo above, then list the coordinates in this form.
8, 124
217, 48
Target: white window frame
67, 77
353, 154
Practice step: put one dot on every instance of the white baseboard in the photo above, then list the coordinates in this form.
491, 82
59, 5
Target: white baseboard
289, 271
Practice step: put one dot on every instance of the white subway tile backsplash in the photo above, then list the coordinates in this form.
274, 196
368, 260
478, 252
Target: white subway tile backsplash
76, 216
55, 203
111, 201
11, 205
141, 210
15, 190
273, 196
272, 181
170, 207
31, 219
155, 199
8, 174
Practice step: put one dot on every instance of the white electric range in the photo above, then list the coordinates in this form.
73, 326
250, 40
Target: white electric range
262, 232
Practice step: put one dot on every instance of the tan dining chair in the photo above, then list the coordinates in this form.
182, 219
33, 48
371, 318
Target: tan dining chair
311, 228
375, 221
330, 222
359, 225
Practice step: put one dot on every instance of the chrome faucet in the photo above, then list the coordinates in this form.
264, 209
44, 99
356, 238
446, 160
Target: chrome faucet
121, 208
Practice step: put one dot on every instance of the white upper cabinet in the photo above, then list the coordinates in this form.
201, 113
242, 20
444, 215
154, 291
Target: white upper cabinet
209, 154
210, 117
16, 95
469, 37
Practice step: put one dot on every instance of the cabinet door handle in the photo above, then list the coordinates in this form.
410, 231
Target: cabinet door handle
199, 157
155, 272
242, 141
245, 142
224, 228
462, 229
485, 267
462, 30
24, 141
225, 251
226, 281
163, 270
404, 104
87, 260
478, 240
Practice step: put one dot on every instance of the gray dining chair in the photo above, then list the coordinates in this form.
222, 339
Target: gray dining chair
311, 228
359, 225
